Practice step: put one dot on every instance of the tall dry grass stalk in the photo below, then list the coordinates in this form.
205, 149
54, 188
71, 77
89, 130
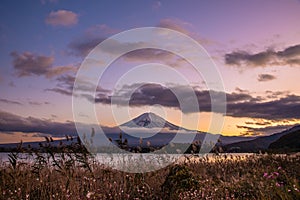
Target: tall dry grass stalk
74, 174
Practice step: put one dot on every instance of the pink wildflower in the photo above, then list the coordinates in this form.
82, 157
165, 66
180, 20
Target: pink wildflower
278, 184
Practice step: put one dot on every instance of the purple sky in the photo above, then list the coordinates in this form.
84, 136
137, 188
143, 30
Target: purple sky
255, 45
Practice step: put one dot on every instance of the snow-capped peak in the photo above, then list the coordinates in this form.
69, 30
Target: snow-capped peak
149, 120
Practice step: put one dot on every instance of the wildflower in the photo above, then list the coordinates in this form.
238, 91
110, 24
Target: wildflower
276, 173
89, 194
265, 174
278, 184
270, 176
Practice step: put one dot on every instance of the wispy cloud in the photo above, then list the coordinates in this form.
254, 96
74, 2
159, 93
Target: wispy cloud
65, 86
36, 103
177, 25
7, 101
91, 37
185, 28
101, 29
254, 131
265, 77
96, 34
62, 18
28, 64
81, 47
258, 123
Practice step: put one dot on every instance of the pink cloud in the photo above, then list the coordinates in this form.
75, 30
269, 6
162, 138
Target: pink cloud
62, 18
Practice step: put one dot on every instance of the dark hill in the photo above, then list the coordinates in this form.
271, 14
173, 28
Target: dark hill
287, 143
260, 143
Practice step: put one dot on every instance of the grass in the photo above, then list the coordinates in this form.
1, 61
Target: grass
73, 175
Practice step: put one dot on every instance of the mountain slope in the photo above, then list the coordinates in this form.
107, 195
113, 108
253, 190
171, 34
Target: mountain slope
288, 142
260, 143
150, 120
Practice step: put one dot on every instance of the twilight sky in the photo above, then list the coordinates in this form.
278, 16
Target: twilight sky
255, 46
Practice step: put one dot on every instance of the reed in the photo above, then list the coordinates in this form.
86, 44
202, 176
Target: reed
78, 175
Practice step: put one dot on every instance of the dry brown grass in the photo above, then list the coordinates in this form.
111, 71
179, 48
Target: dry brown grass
74, 176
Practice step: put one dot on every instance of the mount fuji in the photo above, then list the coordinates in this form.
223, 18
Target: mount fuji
144, 123
150, 120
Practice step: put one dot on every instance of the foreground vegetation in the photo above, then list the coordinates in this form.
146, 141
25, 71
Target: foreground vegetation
73, 175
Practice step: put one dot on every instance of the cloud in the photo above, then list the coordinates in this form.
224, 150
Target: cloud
259, 59
28, 64
158, 55
101, 29
60, 91
10, 102
238, 104
149, 55
289, 56
241, 90
59, 70
96, 34
36, 103
155, 56
176, 24
62, 18
65, 85
265, 77
279, 109
151, 94
90, 39
185, 28
82, 47
14, 123
276, 94
259, 123
253, 131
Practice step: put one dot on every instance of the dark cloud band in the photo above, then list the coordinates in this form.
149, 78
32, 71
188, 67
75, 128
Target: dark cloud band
289, 56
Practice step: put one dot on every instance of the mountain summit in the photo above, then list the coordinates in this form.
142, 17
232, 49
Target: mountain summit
150, 120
